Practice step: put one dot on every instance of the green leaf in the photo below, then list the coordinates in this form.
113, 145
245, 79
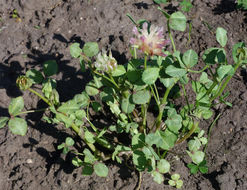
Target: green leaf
82, 64
16, 105
101, 170
207, 113
126, 105
214, 55
190, 58
3, 121
221, 36
203, 167
63, 118
141, 97
235, 50
91, 89
138, 141
160, 1
82, 99
133, 75
225, 70
69, 107
96, 106
18, 126
167, 82
150, 75
89, 137
50, 68
90, 49
175, 72
48, 85
77, 162
163, 166
75, 50
87, 170
175, 177
167, 139
89, 157
139, 160
179, 184
177, 21
242, 4
171, 183
159, 178
174, 120
69, 141
118, 149
114, 107
194, 145
193, 168
35, 76
120, 70
186, 5
197, 157
61, 146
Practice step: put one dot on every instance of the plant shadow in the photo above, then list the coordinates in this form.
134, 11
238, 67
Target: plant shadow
225, 6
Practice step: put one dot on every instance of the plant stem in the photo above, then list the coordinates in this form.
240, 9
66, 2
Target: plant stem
186, 97
163, 104
209, 131
203, 69
111, 80
170, 35
31, 111
140, 181
145, 61
226, 82
39, 95
155, 96
193, 128
135, 55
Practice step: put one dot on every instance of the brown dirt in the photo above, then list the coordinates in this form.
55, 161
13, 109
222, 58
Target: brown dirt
46, 30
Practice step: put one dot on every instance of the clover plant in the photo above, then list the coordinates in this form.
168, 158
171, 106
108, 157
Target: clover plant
125, 94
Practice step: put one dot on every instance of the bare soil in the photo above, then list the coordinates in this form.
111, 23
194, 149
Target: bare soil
45, 30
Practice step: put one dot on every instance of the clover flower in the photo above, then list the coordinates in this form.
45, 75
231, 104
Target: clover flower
150, 43
104, 62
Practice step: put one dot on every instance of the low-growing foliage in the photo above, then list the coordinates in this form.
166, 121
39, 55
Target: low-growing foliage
148, 82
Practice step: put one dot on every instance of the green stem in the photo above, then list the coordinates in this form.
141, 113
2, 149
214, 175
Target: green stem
203, 69
111, 80
144, 116
162, 105
170, 35
135, 55
209, 132
155, 96
145, 61
186, 97
157, 93
77, 130
92, 125
39, 95
195, 125
140, 181
31, 111
226, 82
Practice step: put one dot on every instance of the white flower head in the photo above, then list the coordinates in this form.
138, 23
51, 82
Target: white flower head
104, 62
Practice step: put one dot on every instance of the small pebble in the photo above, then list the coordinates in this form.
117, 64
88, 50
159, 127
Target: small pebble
29, 161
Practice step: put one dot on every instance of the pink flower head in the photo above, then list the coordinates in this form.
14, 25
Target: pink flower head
150, 43
104, 62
